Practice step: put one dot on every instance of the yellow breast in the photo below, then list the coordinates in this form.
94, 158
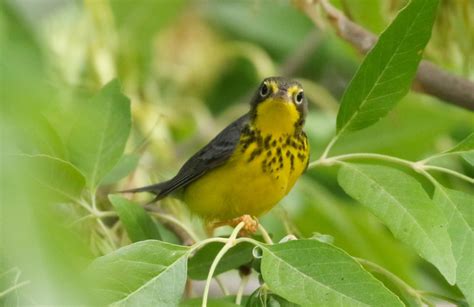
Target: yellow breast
261, 171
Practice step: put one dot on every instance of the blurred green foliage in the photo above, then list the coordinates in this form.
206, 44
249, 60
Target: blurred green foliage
186, 69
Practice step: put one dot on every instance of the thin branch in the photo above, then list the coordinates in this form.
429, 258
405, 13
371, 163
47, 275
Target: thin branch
449, 171
230, 243
243, 283
430, 79
416, 166
265, 235
107, 233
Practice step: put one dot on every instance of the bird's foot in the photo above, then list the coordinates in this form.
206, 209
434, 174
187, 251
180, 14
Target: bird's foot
250, 224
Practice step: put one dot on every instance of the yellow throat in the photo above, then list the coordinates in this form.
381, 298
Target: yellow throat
277, 116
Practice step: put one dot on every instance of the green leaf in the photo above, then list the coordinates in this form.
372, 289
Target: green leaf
387, 71
60, 179
136, 221
402, 204
312, 273
146, 273
200, 263
458, 209
125, 165
98, 137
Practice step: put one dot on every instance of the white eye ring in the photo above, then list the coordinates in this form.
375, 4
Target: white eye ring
264, 90
299, 97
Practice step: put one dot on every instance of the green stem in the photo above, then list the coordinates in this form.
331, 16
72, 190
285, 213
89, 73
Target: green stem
107, 233
86, 206
333, 160
93, 200
98, 214
265, 235
417, 166
328, 147
81, 219
243, 282
443, 154
449, 171
228, 245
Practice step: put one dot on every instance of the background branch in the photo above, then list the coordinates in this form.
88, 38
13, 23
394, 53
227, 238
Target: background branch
430, 78
181, 232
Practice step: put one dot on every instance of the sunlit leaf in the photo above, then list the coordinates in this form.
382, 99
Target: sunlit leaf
402, 204
388, 69
200, 263
311, 273
100, 132
136, 221
146, 273
459, 211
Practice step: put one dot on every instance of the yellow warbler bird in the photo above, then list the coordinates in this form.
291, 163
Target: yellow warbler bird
251, 164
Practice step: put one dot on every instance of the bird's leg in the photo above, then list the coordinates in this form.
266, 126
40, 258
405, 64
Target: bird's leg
250, 224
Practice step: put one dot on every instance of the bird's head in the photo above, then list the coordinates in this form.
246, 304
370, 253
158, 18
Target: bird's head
279, 106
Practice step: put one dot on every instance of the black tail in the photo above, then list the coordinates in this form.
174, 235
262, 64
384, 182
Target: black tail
156, 189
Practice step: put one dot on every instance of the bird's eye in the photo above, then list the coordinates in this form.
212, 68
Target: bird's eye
264, 90
299, 97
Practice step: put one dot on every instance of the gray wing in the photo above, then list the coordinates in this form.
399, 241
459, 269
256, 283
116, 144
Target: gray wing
209, 157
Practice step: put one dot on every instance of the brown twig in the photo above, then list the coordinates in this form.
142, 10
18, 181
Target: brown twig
430, 79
